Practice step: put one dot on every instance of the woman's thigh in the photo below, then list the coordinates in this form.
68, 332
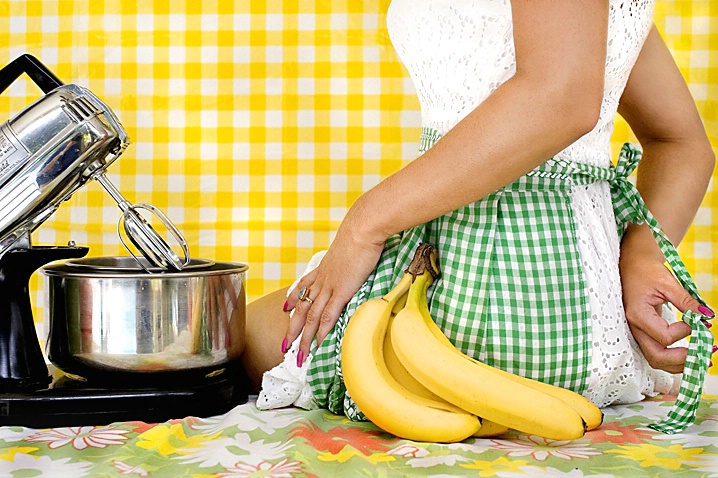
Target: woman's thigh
265, 329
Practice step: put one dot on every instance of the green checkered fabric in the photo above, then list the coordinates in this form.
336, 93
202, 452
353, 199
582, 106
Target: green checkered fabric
683, 412
512, 292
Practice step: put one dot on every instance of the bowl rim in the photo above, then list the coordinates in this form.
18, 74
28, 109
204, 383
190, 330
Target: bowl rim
97, 267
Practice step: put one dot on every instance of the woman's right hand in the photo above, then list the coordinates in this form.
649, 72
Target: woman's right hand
344, 268
647, 285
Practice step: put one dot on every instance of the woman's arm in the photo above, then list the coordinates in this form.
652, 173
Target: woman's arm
673, 175
553, 99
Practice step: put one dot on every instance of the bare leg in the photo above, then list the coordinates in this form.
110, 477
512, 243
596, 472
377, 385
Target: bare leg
266, 326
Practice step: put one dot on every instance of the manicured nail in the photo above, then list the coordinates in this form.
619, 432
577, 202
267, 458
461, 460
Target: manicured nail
285, 307
707, 324
710, 364
706, 311
300, 358
715, 349
284, 346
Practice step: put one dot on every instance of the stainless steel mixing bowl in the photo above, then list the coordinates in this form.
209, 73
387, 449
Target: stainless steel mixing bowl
108, 315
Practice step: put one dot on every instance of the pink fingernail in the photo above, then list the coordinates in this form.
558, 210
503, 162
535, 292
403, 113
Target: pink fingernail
284, 346
707, 324
285, 307
710, 364
715, 349
300, 358
706, 311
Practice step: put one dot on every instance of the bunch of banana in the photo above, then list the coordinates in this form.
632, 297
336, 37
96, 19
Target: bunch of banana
387, 403
522, 404
590, 413
407, 377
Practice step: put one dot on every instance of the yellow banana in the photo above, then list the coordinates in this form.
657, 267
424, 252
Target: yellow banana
396, 369
407, 380
379, 396
490, 429
472, 385
399, 372
591, 414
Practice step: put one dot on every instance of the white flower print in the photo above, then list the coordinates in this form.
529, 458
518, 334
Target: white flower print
707, 464
692, 437
427, 461
248, 418
45, 467
536, 472
408, 450
541, 448
479, 445
12, 434
126, 469
650, 411
218, 452
80, 437
283, 469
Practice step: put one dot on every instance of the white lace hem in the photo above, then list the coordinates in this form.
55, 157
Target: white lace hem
286, 384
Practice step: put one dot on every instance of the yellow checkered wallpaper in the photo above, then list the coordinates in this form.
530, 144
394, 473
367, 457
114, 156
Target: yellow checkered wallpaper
255, 124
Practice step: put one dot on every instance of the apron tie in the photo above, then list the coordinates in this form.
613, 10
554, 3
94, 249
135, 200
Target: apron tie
630, 207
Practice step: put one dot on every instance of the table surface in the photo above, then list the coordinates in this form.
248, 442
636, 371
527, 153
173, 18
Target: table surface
292, 442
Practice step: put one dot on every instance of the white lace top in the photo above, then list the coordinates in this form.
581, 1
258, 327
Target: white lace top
457, 53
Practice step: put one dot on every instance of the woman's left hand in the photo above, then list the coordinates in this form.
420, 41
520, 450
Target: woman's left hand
328, 288
647, 285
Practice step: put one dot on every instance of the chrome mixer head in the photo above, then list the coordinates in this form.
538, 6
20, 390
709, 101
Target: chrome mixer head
51, 149
152, 246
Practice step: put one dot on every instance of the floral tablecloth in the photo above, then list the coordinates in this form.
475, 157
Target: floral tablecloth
246, 442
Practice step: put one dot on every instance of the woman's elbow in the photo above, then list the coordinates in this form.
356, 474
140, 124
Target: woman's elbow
705, 149
574, 102
709, 159
582, 106
570, 98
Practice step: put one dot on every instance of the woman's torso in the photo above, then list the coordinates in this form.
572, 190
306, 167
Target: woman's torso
458, 52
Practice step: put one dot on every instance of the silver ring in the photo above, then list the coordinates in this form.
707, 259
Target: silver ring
304, 295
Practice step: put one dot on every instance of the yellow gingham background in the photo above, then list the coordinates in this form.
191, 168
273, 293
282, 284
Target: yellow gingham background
255, 124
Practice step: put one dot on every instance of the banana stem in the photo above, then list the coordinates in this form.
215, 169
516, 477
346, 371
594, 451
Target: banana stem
424, 261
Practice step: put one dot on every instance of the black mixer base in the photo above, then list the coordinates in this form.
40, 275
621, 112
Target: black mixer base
68, 402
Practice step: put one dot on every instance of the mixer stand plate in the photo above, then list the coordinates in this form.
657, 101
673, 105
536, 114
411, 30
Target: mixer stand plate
70, 402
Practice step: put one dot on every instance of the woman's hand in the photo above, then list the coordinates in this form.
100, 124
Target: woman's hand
647, 285
344, 268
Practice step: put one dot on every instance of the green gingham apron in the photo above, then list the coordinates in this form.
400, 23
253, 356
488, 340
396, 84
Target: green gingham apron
515, 251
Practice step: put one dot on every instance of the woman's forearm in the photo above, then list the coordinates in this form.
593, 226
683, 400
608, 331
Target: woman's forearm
677, 161
520, 126
553, 99
672, 178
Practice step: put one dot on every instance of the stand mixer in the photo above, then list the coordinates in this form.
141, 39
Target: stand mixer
47, 152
